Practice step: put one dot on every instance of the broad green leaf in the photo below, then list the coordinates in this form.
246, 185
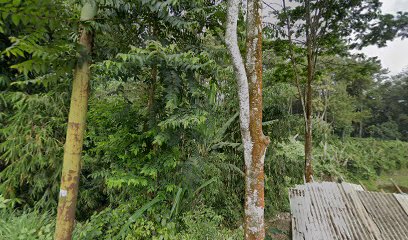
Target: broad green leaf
15, 18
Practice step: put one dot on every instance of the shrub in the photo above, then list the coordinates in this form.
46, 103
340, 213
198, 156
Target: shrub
203, 224
26, 225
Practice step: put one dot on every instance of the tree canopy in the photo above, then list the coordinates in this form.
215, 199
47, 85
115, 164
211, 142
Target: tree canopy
163, 147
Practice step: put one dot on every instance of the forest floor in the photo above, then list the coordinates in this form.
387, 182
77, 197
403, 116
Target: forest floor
383, 182
279, 228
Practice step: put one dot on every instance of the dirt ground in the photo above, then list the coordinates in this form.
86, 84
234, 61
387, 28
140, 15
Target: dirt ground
279, 228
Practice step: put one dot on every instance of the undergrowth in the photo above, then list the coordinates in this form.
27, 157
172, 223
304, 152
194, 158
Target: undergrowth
352, 160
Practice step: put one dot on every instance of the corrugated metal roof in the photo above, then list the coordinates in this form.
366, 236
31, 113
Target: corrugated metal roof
329, 211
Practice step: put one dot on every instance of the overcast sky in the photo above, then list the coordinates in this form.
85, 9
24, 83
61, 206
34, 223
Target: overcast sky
395, 55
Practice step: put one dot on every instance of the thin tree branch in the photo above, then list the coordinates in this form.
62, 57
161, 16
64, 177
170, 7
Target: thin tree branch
269, 5
293, 60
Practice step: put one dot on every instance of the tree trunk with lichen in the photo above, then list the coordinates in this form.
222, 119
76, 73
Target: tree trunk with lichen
249, 78
75, 132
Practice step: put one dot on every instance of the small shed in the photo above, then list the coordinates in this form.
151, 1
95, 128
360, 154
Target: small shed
327, 210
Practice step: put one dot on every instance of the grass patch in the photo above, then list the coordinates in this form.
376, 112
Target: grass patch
383, 181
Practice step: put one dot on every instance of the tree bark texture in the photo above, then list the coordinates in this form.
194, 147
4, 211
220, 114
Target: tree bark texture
75, 132
249, 78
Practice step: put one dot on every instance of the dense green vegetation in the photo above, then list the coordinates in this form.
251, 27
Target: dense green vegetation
162, 155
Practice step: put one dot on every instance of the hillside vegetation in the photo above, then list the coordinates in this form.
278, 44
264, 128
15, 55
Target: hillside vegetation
131, 119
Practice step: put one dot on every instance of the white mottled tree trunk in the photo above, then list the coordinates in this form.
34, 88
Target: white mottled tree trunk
249, 79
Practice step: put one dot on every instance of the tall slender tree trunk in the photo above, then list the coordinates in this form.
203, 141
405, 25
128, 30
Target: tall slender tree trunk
308, 126
75, 132
254, 202
249, 78
310, 38
306, 95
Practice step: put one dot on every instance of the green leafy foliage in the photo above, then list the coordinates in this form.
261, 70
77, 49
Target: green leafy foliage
284, 168
26, 225
362, 159
205, 224
33, 145
388, 103
162, 157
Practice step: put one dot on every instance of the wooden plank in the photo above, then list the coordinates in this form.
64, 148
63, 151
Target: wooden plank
396, 186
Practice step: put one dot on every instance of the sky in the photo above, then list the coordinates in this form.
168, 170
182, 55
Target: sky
394, 55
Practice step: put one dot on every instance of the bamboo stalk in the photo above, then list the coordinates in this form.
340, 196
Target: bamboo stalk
75, 132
